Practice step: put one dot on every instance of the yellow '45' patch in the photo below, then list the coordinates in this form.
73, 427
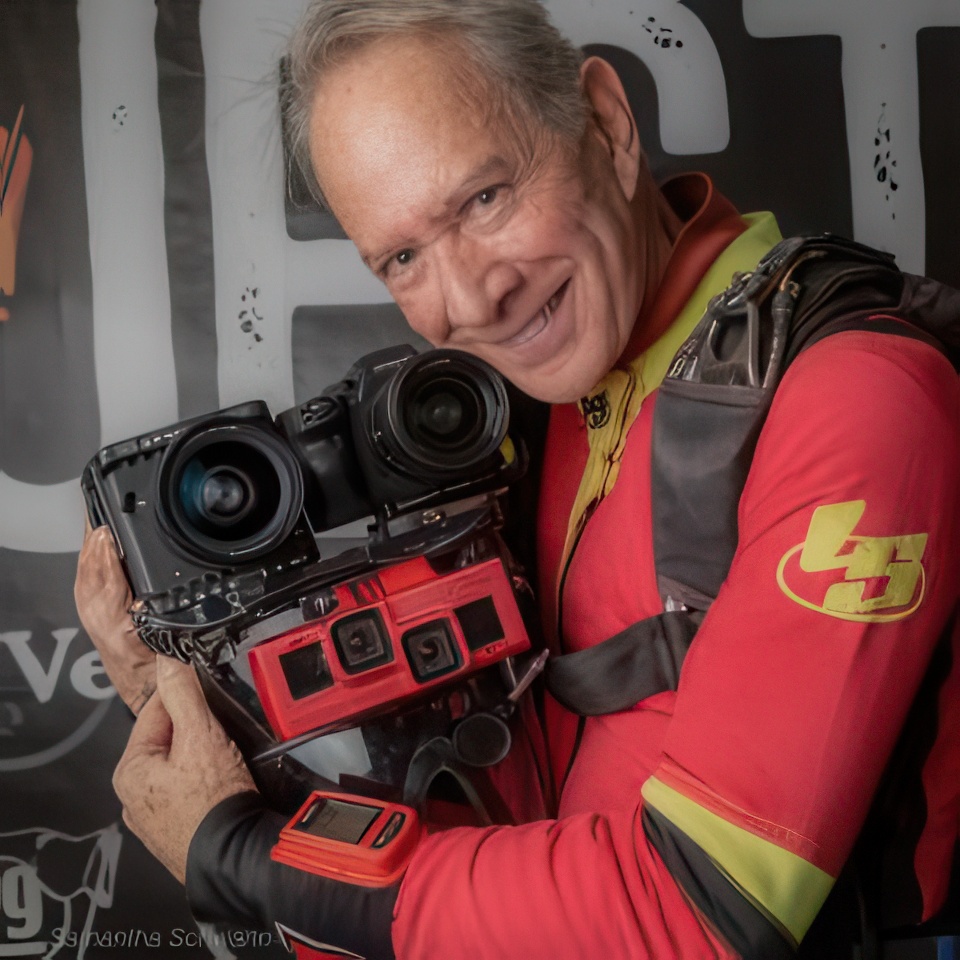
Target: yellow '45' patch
883, 578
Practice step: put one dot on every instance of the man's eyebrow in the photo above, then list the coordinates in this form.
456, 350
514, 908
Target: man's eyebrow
495, 166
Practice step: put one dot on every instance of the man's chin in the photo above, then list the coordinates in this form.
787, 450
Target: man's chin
554, 390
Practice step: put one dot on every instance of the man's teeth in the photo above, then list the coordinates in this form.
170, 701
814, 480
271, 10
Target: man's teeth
540, 319
547, 309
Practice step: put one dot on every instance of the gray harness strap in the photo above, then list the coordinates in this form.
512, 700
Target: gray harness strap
630, 666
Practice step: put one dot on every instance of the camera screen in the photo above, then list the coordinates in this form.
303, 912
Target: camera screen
337, 820
480, 623
362, 641
305, 670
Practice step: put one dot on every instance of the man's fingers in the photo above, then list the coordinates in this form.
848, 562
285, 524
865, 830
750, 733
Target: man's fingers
104, 551
179, 689
98, 562
153, 731
100, 591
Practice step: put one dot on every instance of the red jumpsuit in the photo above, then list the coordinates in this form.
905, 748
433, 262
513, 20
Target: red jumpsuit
795, 688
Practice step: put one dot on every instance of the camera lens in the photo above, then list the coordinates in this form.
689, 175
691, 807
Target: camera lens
229, 492
444, 413
431, 650
225, 494
362, 641
219, 496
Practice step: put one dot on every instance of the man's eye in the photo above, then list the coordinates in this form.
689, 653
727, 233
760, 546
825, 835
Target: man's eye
488, 195
396, 264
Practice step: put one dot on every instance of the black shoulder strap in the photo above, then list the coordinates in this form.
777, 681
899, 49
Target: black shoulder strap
630, 666
709, 413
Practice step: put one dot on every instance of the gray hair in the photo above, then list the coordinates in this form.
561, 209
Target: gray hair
513, 60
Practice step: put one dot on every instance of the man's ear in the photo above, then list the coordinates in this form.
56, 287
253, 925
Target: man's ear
613, 120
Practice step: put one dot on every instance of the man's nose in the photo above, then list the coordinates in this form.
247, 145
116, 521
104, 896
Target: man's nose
478, 283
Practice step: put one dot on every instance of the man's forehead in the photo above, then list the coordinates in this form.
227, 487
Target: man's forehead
386, 97
392, 133
389, 82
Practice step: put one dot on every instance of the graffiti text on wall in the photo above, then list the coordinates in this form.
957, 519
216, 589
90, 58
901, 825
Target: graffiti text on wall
16, 158
32, 670
880, 88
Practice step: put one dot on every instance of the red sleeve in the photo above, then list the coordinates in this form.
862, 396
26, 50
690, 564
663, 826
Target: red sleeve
790, 700
843, 581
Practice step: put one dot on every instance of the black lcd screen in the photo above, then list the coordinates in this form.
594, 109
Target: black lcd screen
337, 820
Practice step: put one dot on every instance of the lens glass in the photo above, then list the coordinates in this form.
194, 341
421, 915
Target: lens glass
225, 494
362, 641
445, 413
431, 650
228, 491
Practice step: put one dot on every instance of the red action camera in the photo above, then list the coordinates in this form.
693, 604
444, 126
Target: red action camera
391, 637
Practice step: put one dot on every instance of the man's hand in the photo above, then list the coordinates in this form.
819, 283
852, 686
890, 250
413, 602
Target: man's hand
178, 765
103, 600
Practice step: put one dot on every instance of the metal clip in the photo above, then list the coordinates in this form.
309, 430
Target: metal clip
534, 669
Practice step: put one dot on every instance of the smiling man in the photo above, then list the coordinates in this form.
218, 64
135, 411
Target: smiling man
519, 245
494, 180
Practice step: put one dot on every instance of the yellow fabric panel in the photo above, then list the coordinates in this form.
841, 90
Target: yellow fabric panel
786, 887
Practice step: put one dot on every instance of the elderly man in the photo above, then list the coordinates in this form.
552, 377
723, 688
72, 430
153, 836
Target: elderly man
494, 180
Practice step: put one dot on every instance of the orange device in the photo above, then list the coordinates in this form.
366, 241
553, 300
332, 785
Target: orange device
354, 839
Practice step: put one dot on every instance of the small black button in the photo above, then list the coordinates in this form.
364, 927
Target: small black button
390, 830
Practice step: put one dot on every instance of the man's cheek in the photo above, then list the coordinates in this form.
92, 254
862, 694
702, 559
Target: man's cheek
429, 321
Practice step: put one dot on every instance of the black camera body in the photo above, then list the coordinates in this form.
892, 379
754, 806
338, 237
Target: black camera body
216, 517
172, 554
400, 432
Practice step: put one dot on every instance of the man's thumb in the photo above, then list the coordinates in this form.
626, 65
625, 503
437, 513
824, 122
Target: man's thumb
179, 690
152, 732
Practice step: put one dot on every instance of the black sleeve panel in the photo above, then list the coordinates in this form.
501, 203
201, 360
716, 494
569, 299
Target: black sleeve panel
231, 878
748, 931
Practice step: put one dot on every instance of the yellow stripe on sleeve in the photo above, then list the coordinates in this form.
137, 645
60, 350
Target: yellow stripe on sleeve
786, 887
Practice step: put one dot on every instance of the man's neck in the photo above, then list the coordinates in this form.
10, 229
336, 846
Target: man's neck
696, 225
661, 231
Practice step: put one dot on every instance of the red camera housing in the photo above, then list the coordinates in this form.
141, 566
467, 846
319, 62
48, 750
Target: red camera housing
392, 636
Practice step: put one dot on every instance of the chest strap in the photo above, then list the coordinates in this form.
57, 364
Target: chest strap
636, 663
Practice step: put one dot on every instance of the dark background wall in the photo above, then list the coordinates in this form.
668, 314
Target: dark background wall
150, 271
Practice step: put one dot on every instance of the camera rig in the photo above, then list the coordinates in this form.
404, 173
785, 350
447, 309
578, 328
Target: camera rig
217, 522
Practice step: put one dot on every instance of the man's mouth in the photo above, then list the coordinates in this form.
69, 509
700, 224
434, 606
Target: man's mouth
538, 323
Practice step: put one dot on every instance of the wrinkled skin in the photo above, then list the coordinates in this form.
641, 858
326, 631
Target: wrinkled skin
178, 765
535, 260
179, 762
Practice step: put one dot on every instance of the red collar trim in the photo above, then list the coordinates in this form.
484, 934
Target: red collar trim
711, 224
